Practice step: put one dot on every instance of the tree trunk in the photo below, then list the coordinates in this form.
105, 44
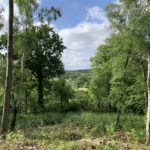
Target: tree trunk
148, 108
98, 104
14, 115
26, 102
145, 82
7, 91
20, 84
22, 67
61, 104
117, 124
40, 92
110, 108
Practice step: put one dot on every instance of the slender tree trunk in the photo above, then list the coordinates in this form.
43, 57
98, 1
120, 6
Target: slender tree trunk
61, 104
22, 67
98, 104
7, 92
26, 102
148, 108
118, 120
20, 84
110, 108
123, 95
1, 59
13, 121
102, 107
14, 115
40, 92
145, 82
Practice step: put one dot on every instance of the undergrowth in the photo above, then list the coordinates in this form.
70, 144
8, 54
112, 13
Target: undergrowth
66, 131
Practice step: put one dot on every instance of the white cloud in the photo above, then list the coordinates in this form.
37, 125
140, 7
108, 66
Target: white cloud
118, 2
96, 13
39, 1
83, 39
4, 5
84, 35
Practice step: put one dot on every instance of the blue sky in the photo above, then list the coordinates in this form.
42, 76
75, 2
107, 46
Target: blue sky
73, 11
83, 27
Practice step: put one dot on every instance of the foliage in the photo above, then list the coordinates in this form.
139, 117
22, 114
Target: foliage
1, 17
119, 71
78, 78
72, 130
45, 52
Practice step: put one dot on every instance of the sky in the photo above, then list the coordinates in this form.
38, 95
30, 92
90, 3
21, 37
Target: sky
83, 27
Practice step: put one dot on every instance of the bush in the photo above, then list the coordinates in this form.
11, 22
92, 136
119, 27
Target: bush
32, 120
98, 131
136, 136
15, 136
110, 129
70, 136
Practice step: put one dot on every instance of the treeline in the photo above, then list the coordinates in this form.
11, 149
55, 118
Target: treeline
78, 78
120, 68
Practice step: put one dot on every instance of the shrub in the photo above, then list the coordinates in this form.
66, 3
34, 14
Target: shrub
136, 136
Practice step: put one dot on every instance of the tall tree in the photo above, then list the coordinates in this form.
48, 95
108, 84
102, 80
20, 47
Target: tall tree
139, 15
7, 92
44, 58
134, 17
26, 11
63, 91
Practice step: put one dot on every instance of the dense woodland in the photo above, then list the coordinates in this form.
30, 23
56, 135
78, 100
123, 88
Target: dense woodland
44, 106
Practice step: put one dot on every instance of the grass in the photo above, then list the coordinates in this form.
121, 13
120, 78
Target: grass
76, 131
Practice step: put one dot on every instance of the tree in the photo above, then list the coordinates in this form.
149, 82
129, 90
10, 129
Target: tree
27, 11
44, 56
101, 75
133, 17
127, 47
1, 24
7, 92
28, 14
63, 91
139, 15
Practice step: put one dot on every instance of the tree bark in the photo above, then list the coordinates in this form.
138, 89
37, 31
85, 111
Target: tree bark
148, 108
7, 91
14, 115
26, 101
145, 82
22, 67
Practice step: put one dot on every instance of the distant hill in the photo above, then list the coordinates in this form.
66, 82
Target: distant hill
79, 71
78, 78
75, 73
